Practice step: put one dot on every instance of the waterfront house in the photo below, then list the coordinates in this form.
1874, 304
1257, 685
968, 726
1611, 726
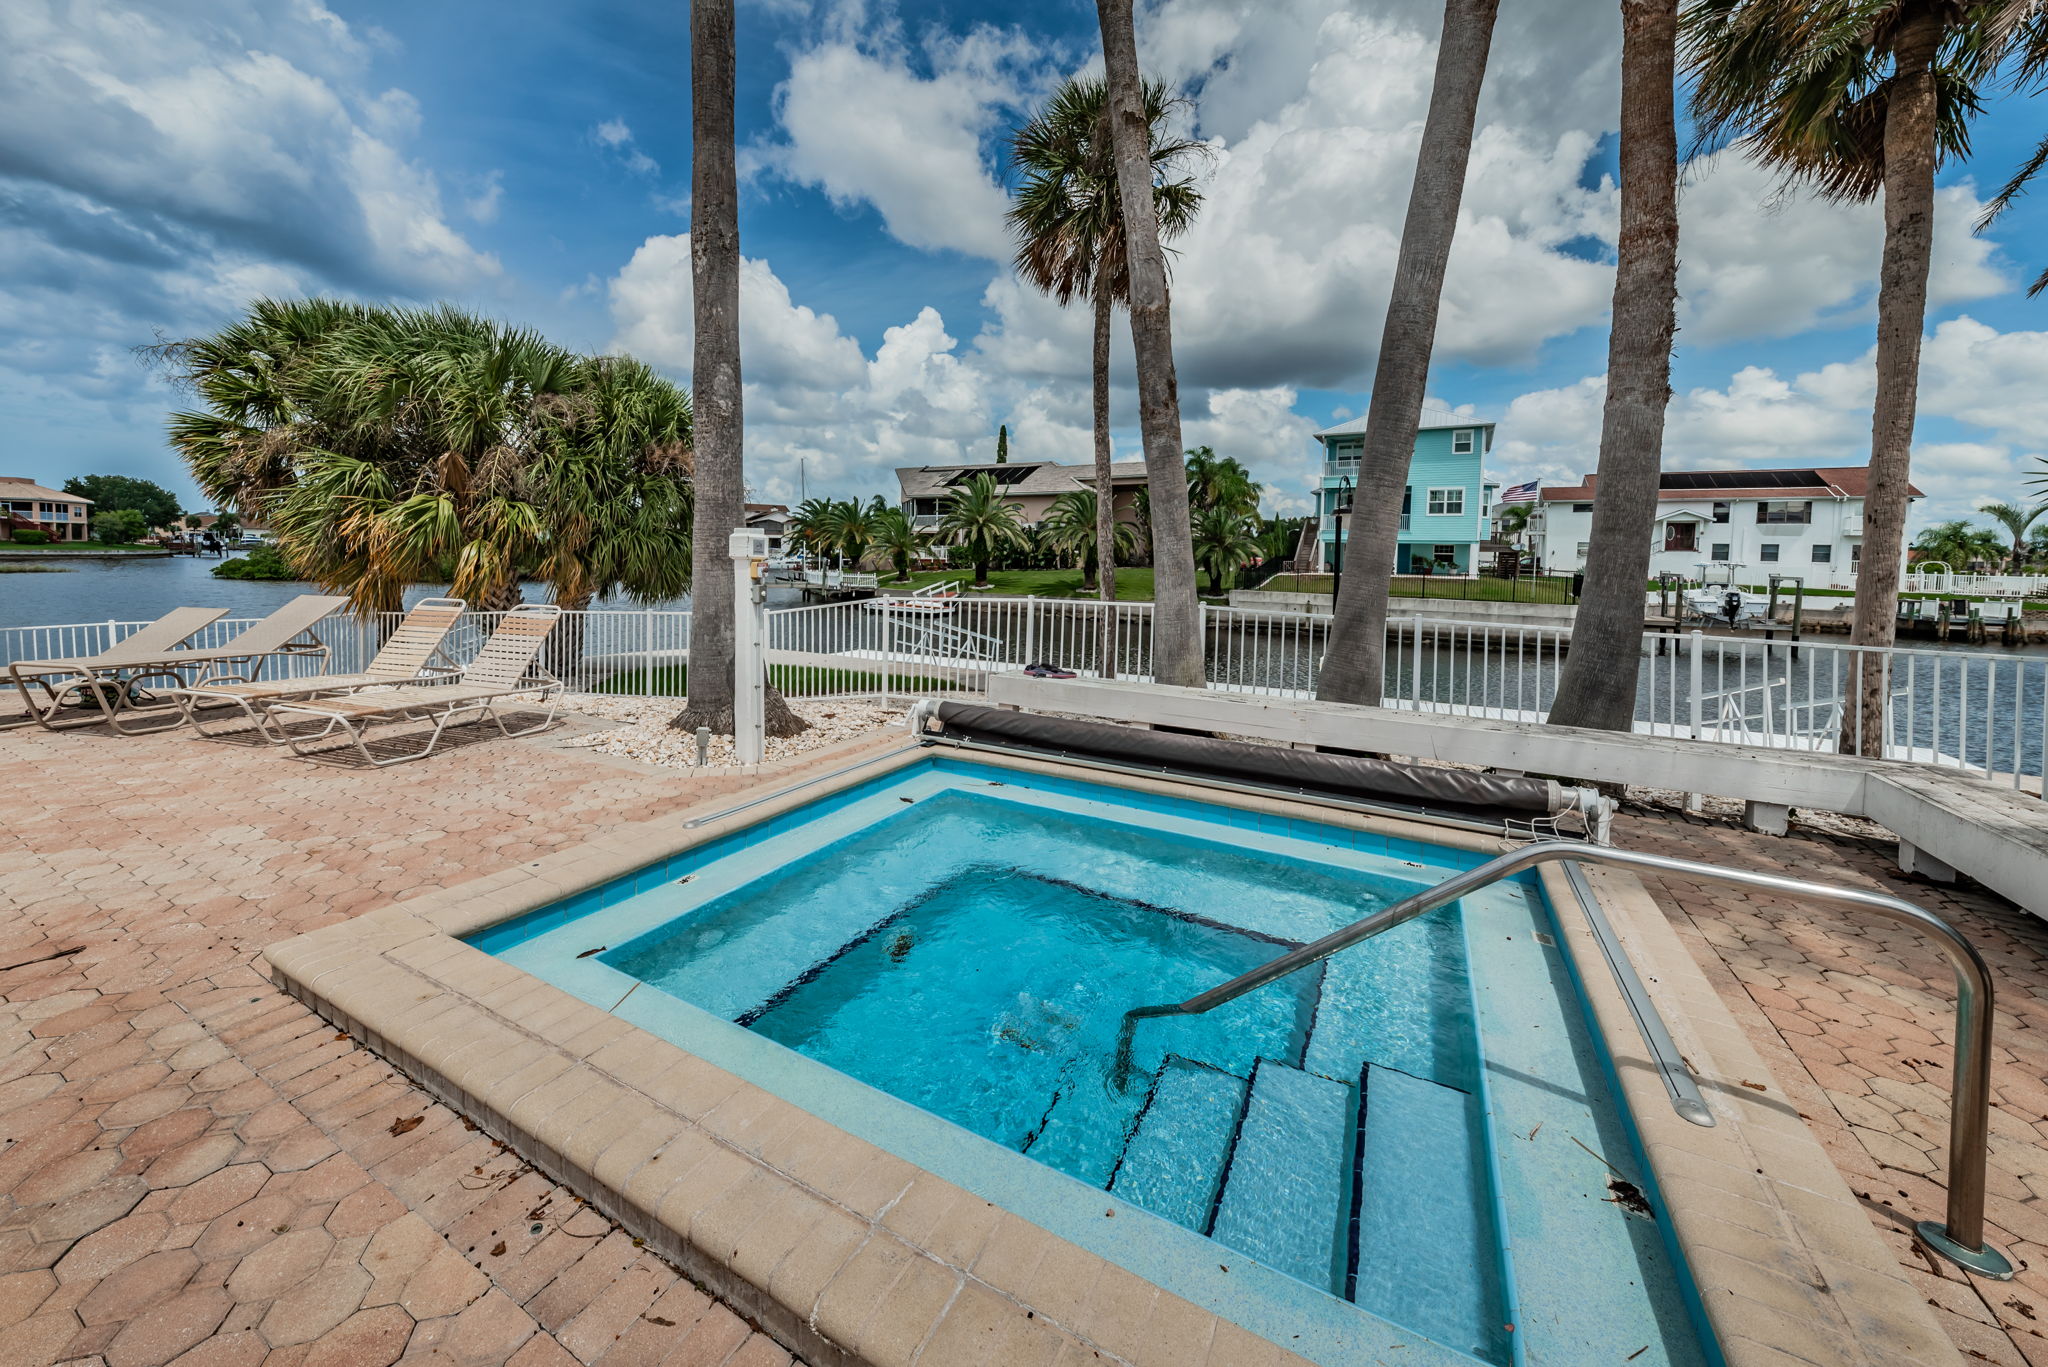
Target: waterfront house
1443, 506
771, 518
1806, 521
922, 490
27, 504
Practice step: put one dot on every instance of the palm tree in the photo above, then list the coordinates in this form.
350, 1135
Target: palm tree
2017, 519
721, 489
1597, 686
1072, 528
1220, 482
1958, 544
1225, 540
977, 517
391, 446
1856, 98
1068, 221
1354, 665
898, 538
1176, 612
807, 525
848, 528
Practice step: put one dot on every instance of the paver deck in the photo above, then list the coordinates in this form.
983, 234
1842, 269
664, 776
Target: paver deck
194, 1168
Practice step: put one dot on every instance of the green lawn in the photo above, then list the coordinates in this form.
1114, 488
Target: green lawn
73, 547
1532, 589
673, 681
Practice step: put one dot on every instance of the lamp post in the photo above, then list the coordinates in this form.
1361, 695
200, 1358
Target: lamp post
1340, 512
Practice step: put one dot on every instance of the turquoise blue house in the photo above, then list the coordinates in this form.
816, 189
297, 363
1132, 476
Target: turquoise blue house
1444, 507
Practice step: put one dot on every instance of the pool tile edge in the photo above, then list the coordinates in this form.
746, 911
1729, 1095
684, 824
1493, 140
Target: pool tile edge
788, 1219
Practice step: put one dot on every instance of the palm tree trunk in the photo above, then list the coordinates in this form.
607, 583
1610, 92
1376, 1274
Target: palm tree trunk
1598, 686
715, 366
1901, 318
1354, 668
1176, 611
1105, 491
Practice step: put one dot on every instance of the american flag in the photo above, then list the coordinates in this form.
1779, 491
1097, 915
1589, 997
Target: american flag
1521, 493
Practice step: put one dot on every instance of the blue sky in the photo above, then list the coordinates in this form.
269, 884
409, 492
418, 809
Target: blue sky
159, 164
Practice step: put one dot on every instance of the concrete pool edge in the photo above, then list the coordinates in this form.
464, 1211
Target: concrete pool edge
807, 1228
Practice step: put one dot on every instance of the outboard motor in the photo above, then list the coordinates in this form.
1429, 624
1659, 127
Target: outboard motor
1731, 605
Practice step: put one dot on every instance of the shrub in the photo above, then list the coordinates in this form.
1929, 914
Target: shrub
29, 536
121, 527
264, 562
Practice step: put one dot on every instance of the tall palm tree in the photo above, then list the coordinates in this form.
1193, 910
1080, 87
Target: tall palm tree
1353, 668
849, 528
978, 517
392, 446
807, 525
1225, 541
1597, 686
721, 489
2017, 519
1071, 528
1176, 611
1067, 218
1856, 98
897, 537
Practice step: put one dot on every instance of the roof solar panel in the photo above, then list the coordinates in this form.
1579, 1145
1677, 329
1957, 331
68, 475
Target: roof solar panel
1003, 475
1742, 479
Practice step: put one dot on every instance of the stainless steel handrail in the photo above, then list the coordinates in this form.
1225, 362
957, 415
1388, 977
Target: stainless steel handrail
1960, 1240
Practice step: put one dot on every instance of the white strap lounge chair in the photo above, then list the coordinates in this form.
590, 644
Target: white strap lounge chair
407, 657
504, 670
59, 681
111, 678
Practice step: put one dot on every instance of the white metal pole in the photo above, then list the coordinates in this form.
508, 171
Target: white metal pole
749, 645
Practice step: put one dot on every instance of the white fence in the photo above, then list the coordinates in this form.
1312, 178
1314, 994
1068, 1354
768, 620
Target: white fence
1981, 710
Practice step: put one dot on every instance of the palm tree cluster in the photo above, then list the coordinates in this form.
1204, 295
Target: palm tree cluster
851, 530
1223, 505
391, 446
977, 518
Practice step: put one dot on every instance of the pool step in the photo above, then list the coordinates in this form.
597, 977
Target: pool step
1077, 1144
1286, 1198
1174, 1163
1424, 1227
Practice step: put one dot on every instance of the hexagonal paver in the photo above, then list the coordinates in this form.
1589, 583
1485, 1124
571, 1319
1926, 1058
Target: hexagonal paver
279, 1264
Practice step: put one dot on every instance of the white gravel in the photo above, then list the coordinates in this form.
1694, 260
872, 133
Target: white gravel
646, 736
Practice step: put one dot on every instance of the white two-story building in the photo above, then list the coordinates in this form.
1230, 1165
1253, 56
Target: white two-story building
1755, 523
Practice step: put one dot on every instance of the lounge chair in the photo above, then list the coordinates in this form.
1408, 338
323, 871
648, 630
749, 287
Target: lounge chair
111, 677
405, 658
504, 669
146, 642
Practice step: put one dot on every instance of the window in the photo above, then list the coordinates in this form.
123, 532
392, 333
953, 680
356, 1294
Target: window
1722, 511
1768, 552
1461, 441
1776, 513
1582, 507
1855, 554
1446, 502
1584, 546
1720, 551
1823, 553
1445, 555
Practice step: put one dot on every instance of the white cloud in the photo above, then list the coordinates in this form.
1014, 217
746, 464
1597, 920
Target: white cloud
615, 136
1758, 262
811, 393
914, 150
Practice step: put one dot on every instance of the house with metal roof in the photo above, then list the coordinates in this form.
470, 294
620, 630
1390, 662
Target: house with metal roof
25, 503
1806, 521
1443, 505
922, 490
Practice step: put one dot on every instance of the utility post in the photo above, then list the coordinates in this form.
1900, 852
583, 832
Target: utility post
749, 550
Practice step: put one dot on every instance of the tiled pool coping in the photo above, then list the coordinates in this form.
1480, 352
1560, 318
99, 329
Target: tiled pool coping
848, 1254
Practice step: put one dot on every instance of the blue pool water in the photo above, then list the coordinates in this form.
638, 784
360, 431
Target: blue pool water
1403, 1149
